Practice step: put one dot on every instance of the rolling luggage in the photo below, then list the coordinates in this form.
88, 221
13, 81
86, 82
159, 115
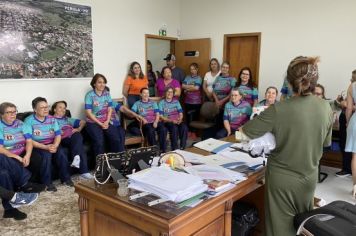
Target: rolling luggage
335, 219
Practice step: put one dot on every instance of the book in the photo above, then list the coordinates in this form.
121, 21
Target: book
212, 145
217, 185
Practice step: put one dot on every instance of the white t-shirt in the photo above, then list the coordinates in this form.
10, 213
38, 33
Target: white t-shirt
210, 80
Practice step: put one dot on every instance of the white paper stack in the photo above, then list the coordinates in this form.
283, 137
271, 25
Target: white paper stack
167, 184
208, 172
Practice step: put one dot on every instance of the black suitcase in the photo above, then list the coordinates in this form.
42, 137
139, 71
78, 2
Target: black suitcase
335, 219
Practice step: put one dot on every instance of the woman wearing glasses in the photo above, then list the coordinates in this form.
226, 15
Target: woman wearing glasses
15, 155
246, 85
46, 137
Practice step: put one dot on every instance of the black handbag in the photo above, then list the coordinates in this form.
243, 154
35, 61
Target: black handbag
244, 219
105, 163
145, 154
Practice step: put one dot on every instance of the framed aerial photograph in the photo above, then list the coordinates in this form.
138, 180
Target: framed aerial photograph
45, 39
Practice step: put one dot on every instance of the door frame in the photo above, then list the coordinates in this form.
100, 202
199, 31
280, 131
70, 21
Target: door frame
227, 37
152, 36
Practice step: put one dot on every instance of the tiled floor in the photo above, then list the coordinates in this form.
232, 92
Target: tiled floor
335, 188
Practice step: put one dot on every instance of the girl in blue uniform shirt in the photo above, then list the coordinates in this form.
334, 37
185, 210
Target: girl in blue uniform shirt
46, 136
149, 116
247, 87
72, 138
100, 122
236, 113
171, 113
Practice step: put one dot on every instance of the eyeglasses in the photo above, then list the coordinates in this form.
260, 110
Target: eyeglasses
10, 112
44, 108
244, 74
318, 94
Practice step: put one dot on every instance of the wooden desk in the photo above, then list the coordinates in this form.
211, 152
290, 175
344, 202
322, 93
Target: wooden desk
103, 212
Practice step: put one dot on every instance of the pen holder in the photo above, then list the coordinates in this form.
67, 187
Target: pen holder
123, 189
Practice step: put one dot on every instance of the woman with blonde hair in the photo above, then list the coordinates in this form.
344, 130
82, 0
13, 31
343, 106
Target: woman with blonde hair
302, 126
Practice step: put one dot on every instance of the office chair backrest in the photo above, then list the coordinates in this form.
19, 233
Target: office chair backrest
209, 110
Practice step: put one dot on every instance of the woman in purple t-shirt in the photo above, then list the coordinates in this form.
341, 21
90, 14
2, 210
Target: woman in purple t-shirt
167, 81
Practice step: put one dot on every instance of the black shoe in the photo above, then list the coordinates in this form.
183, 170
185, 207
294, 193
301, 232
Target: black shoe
342, 173
51, 188
32, 188
69, 183
14, 214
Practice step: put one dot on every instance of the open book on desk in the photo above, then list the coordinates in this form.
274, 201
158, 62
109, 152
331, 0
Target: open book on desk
212, 145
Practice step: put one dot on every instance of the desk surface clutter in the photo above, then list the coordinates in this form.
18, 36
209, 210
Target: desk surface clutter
199, 189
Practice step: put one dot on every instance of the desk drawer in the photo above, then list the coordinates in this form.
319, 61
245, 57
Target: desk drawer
215, 228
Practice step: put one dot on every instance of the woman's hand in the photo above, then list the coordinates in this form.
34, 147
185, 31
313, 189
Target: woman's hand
52, 148
26, 160
105, 125
144, 121
76, 130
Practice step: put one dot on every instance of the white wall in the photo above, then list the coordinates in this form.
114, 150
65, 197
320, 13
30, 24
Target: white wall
118, 39
289, 28
157, 49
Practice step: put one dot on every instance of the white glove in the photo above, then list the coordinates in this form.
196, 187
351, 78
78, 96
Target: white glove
264, 144
241, 137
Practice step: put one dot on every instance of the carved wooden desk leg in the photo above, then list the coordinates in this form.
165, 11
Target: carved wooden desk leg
83, 209
227, 220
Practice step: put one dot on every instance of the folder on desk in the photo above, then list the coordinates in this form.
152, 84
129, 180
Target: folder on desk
212, 145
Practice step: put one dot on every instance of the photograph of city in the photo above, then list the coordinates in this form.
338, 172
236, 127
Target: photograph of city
45, 39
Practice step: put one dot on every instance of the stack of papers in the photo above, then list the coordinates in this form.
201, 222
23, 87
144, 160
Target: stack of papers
212, 145
207, 172
238, 156
167, 184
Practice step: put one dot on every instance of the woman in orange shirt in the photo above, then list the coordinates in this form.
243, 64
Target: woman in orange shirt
134, 82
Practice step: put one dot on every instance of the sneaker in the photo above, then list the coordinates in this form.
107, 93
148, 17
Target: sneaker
87, 176
14, 214
342, 173
32, 188
23, 199
51, 188
69, 183
76, 161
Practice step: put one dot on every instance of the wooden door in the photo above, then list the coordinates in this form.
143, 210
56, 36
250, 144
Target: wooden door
243, 50
201, 47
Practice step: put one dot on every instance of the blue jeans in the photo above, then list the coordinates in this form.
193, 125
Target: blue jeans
177, 131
